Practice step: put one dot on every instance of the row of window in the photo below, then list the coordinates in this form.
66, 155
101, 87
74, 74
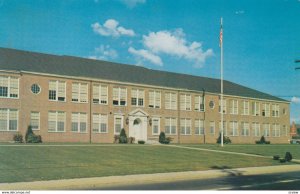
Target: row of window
57, 119
9, 88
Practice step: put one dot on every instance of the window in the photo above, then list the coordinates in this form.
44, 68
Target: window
212, 127
245, 129
199, 127
185, 102
56, 121
100, 123
170, 126
185, 126
199, 103
79, 92
256, 129
57, 90
100, 94
119, 96
35, 89
8, 119
255, 108
266, 128
266, 110
79, 122
9, 87
245, 107
233, 106
224, 106
276, 130
118, 124
275, 110
211, 104
154, 99
224, 128
35, 120
171, 101
155, 126
233, 128
284, 131
137, 97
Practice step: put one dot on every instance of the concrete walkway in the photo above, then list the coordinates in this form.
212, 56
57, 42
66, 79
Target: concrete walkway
98, 182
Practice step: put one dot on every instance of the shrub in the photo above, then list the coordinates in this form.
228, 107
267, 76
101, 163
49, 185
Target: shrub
282, 160
141, 142
130, 139
226, 140
262, 141
276, 157
163, 139
123, 136
18, 138
288, 156
30, 137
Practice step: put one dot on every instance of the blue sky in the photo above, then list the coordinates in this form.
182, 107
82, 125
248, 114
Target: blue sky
261, 37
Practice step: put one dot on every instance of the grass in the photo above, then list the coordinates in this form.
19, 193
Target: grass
49, 162
264, 150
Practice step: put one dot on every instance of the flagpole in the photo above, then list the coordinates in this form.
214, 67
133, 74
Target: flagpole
221, 45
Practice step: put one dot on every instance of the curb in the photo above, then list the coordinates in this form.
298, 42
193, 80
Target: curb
111, 181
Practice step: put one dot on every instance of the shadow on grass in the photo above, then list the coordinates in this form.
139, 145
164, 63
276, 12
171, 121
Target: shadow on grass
228, 170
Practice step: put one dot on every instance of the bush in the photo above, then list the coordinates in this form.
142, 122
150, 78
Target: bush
226, 140
163, 139
282, 160
262, 141
141, 142
288, 156
18, 138
276, 157
130, 139
123, 136
30, 137
116, 138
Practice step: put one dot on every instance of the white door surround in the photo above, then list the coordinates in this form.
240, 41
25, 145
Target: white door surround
138, 124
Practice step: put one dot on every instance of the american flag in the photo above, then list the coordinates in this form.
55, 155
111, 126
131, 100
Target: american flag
221, 34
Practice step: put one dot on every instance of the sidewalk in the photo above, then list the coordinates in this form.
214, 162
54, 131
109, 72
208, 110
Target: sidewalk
85, 183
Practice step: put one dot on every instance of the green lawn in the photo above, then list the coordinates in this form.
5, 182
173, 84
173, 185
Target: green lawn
264, 150
30, 163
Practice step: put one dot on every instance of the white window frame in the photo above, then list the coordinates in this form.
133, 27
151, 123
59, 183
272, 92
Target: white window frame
9, 87
173, 104
168, 123
79, 115
39, 120
275, 110
245, 107
234, 106
119, 89
79, 93
8, 119
198, 102
122, 123
155, 95
275, 130
184, 124
185, 102
56, 90
256, 129
138, 97
266, 127
224, 106
199, 123
234, 131
100, 94
100, 119
256, 110
56, 122
245, 129
158, 119
224, 127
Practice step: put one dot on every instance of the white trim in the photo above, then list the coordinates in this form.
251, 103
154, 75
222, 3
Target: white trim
122, 123
141, 85
158, 125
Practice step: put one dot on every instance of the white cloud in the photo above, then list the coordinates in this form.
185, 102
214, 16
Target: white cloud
104, 52
132, 3
146, 55
111, 28
295, 100
239, 12
175, 44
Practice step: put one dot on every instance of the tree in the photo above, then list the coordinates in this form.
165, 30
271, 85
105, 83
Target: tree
123, 136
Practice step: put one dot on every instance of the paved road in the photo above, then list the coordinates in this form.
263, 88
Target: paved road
278, 181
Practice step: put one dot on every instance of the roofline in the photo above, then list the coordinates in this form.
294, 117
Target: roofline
139, 85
